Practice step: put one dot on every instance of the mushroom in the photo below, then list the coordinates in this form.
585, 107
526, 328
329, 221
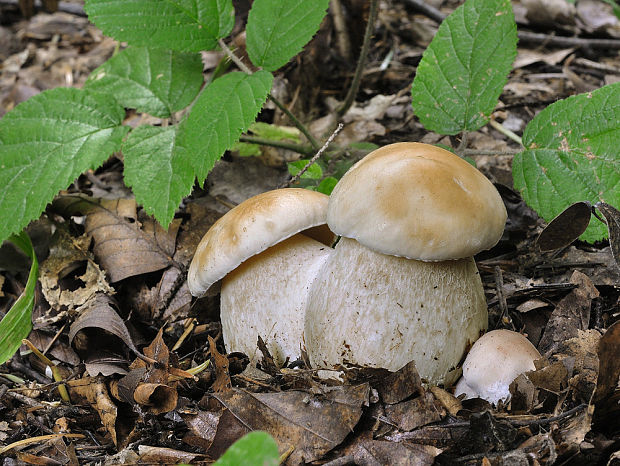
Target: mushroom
494, 361
267, 251
402, 284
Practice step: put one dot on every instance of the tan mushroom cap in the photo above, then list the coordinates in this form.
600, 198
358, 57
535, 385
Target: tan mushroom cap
253, 226
417, 201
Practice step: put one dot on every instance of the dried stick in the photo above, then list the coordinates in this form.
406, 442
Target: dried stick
314, 158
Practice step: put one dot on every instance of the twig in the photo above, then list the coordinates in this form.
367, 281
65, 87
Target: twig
361, 62
304, 150
548, 420
342, 461
235, 59
462, 145
490, 152
300, 126
243, 67
427, 10
562, 41
64, 7
499, 290
506, 132
314, 158
340, 26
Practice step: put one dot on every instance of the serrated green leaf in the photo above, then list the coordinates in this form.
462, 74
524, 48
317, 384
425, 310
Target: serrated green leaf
255, 448
152, 80
47, 142
314, 171
572, 156
465, 67
17, 322
184, 25
224, 110
159, 174
278, 29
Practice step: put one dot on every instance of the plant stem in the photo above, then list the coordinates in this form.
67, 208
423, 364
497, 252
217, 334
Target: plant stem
506, 132
314, 158
490, 152
300, 126
236, 60
304, 150
243, 67
361, 61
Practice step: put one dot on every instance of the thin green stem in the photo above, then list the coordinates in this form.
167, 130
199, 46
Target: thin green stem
236, 60
361, 62
506, 132
243, 67
300, 126
304, 150
490, 152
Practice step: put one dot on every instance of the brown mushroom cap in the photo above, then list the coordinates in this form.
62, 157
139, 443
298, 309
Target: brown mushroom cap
250, 228
417, 201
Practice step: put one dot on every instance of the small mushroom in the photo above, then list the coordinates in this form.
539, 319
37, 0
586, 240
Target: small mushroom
493, 362
402, 284
267, 251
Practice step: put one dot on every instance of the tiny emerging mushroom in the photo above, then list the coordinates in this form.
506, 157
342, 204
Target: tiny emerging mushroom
267, 251
493, 362
402, 284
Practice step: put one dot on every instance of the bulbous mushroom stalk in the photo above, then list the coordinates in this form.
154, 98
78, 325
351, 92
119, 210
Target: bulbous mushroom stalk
402, 284
265, 253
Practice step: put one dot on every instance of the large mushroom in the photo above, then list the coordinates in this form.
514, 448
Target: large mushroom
267, 251
402, 283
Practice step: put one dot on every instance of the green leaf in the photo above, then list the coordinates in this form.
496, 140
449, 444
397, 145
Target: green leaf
314, 171
278, 29
572, 156
224, 110
47, 142
151, 80
327, 185
17, 322
275, 132
465, 67
255, 448
185, 25
246, 149
159, 174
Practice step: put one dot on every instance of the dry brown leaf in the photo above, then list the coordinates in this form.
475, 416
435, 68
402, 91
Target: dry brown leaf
378, 453
606, 397
400, 385
202, 428
313, 425
97, 322
69, 277
527, 57
411, 414
570, 315
127, 242
222, 375
447, 400
160, 455
95, 392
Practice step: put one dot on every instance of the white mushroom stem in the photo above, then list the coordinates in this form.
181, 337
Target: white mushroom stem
267, 294
373, 309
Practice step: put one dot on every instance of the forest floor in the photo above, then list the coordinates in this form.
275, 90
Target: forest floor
564, 301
